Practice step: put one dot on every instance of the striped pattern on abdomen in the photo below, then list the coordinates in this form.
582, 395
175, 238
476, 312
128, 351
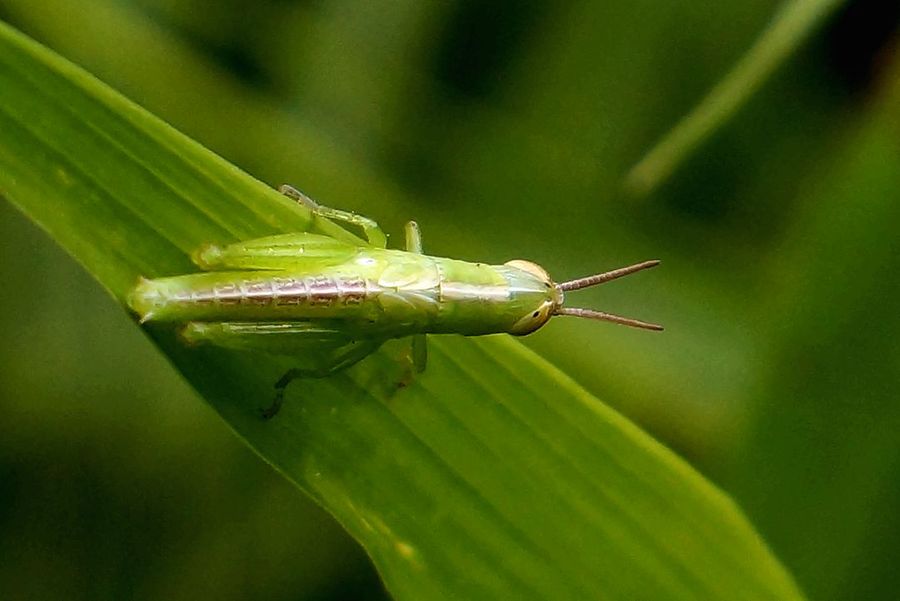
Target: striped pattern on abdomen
312, 291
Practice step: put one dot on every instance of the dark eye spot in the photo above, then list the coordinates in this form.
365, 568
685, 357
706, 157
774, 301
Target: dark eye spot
535, 314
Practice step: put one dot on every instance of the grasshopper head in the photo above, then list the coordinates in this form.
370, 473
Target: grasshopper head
543, 297
550, 303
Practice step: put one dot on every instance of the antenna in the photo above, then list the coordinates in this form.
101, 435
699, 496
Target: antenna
602, 278
601, 316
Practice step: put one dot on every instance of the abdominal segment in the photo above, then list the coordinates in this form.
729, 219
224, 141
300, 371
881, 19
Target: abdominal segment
215, 296
315, 291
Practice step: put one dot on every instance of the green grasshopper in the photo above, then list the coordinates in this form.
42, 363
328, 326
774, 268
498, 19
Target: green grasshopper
334, 303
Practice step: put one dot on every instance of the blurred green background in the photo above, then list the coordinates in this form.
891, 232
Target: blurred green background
505, 128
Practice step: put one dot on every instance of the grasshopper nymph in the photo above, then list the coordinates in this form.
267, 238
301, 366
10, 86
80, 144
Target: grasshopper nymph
330, 303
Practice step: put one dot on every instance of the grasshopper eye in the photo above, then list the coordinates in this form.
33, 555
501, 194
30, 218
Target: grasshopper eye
534, 320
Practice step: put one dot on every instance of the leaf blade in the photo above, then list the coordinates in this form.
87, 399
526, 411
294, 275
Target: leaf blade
492, 476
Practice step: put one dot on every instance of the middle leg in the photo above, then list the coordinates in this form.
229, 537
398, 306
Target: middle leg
418, 348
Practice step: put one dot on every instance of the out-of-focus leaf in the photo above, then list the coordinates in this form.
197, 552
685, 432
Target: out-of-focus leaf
790, 26
824, 449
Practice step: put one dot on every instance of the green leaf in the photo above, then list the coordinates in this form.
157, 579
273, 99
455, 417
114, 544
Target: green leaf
492, 476
794, 21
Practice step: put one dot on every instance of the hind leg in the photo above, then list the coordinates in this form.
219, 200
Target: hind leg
340, 358
370, 228
326, 350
